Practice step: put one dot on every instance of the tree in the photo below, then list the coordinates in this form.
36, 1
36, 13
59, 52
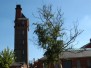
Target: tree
50, 33
6, 58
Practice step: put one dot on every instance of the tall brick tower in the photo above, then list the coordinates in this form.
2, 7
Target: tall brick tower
21, 36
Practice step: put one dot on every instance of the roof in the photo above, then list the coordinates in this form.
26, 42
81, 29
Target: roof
84, 51
87, 45
76, 54
23, 16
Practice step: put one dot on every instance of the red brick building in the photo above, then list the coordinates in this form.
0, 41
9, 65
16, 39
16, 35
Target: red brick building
72, 58
21, 27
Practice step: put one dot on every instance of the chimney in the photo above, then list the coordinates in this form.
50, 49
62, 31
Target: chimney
18, 11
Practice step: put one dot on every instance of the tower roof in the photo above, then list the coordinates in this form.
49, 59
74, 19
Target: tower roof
18, 6
23, 16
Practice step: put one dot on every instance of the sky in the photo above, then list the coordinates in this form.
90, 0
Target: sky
73, 11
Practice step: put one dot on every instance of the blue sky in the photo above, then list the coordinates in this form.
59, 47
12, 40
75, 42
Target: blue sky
73, 10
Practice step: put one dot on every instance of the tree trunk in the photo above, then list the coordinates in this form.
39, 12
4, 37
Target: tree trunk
60, 63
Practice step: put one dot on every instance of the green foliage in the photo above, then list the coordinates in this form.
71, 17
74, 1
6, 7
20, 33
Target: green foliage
50, 34
6, 58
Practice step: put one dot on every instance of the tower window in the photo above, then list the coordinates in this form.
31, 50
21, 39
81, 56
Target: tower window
23, 32
23, 23
23, 41
23, 52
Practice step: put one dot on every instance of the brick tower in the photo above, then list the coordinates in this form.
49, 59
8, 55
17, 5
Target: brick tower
21, 36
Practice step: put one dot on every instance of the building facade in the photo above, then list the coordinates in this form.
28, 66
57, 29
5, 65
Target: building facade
21, 29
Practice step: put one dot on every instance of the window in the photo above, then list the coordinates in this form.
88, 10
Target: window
67, 64
23, 23
23, 41
23, 32
23, 52
89, 63
78, 64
